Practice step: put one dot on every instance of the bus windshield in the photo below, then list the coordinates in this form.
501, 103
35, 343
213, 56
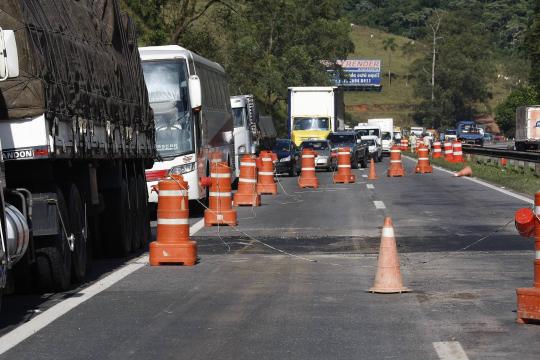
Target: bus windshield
166, 81
311, 123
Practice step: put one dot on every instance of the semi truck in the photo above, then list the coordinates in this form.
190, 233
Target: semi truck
314, 112
76, 133
527, 128
252, 132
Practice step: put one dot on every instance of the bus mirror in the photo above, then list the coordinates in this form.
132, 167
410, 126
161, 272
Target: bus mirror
9, 59
195, 95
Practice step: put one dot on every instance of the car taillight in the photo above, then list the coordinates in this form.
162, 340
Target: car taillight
155, 175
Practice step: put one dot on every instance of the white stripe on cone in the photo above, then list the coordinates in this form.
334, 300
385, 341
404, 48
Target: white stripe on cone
423, 159
251, 181
344, 166
173, 222
172, 192
387, 232
458, 153
219, 194
226, 175
308, 156
343, 153
395, 161
266, 173
537, 210
266, 159
537, 255
248, 164
307, 169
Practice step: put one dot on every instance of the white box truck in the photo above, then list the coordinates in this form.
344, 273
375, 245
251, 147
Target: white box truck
315, 112
387, 132
528, 128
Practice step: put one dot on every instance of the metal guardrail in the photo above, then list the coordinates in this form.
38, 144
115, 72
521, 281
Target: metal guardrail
503, 153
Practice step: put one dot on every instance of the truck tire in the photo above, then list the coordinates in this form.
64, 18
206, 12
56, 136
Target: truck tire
364, 162
144, 220
134, 200
77, 221
53, 260
117, 222
354, 163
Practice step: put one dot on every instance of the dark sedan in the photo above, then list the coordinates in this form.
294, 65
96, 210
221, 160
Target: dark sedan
288, 157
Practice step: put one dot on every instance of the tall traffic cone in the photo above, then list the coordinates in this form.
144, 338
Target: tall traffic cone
423, 166
343, 174
372, 173
266, 183
466, 171
437, 150
457, 152
308, 178
247, 183
388, 279
448, 152
220, 210
396, 167
173, 244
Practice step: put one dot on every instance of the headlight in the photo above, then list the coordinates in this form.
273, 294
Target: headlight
286, 158
182, 169
241, 150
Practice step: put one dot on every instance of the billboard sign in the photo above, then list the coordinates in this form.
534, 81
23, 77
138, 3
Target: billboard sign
358, 73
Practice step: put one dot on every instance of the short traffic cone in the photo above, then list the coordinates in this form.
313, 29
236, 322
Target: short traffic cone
372, 172
466, 171
343, 174
396, 167
247, 183
220, 211
388, 279
173, 244
266, 183
423, 166
308, 178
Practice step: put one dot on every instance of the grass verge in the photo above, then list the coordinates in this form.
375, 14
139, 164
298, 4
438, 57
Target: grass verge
522, 180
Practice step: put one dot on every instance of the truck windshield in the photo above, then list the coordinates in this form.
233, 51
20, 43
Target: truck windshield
341, 139
469, 129
311, 123
166, 81
366, 132
239, 116
386, 136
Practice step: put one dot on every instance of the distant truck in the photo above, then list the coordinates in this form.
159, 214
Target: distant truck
469, 133
387, 132
314, 112
77, 134
252, 132
417, 131
528, 128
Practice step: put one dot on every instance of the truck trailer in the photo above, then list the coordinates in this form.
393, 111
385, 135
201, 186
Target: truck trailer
527, 128
77, 134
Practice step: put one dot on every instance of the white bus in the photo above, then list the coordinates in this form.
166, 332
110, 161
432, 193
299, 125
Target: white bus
192, 110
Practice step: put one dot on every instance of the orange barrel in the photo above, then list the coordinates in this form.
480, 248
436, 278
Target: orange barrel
247, 183
437, 151
220, 210
457, 152
308, 178
448, 152
173, 244
404, 144
423, 166
266, 183
343, 174
396, 167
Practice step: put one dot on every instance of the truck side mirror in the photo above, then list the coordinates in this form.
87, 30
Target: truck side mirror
195, 93
9, 58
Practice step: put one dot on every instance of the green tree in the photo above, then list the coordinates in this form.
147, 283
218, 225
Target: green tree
408, 50
464, 71
390, 45
505, 113
533, 49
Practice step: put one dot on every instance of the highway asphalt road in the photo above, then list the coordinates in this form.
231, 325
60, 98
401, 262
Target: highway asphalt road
290, 282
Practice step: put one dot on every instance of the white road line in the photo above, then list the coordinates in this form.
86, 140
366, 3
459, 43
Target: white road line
488, 185
450, 350
379, 204
364, 176
24, 331
370, 186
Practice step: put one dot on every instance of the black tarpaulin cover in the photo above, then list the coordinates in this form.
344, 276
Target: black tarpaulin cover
76, 58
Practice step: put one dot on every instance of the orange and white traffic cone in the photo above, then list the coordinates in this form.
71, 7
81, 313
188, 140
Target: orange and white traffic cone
466, 171
372, 172
457, 152
396, 167
344, 175
423, 166
173, 244
404, 145
308, 178
247, 183
437, 151
528, 299
220, 211
448, 152
266, 183
388, 279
